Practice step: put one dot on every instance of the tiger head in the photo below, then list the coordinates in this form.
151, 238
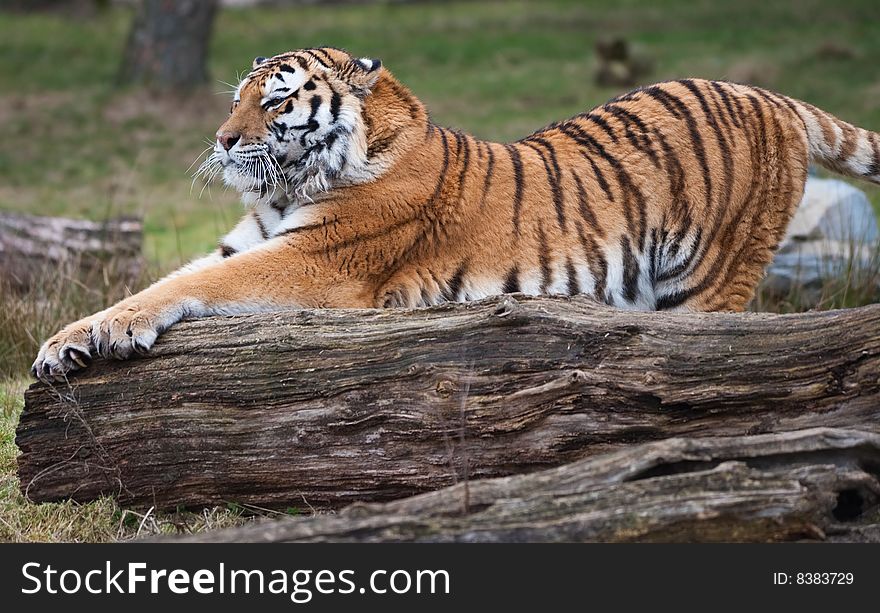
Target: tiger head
296, 125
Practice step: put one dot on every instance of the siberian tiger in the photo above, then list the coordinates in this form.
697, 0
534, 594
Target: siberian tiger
671, 197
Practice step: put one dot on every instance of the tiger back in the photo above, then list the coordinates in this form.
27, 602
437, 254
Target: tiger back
670, 197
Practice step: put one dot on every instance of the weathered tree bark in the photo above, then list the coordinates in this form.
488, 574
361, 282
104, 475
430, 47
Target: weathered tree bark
339, 406
168, 43
32, 248
819, 484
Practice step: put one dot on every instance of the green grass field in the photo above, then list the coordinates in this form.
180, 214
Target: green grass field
77, 145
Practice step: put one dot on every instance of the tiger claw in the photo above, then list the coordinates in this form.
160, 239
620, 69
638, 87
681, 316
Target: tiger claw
82, 358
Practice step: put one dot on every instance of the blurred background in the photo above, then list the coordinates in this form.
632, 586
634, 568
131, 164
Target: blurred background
82, 140
105, 105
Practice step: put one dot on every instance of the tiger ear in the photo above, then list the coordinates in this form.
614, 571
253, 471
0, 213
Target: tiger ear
365, 72
369, 63
257, 61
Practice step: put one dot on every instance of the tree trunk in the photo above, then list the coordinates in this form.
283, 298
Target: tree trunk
819, 484
33, 248
168, 43
338, 406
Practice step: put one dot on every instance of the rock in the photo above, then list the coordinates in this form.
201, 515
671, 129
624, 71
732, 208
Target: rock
832, 234
619, 65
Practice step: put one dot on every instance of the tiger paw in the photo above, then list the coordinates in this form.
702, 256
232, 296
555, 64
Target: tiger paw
69, 350
127, 331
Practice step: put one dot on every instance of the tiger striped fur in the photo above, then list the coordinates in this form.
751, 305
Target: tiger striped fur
671, 197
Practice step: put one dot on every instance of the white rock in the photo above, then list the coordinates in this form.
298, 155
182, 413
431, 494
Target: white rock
834, 210
833, 231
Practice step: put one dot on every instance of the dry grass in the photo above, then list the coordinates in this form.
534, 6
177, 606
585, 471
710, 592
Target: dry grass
26, 318
832, 294
53, 299
850, 280
100, 521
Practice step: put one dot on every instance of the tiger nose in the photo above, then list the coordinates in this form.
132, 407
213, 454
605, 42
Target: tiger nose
227, 139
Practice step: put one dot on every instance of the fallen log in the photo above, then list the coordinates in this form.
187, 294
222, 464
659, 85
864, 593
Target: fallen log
32, 247
332, 407
819, 484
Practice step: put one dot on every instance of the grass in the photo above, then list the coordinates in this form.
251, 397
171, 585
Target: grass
33, 314
852, 281
78, 145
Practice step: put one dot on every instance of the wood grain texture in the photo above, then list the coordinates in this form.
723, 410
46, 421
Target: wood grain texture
33, 248
818, 484
340, 406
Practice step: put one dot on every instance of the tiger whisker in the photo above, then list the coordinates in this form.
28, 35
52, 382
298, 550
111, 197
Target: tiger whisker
204, 151
269, 181
207, 163
261, 168
277, 170
208, 168
255, 184
202, 171
208, 171
210, 178
252, 171
271, 174
280, 171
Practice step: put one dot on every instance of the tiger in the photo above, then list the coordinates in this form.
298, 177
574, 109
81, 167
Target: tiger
672, 197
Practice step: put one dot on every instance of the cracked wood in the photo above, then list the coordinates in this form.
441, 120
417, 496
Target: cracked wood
339, 406
817, 484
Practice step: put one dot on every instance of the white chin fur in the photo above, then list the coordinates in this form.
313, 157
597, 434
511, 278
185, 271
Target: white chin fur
239, 181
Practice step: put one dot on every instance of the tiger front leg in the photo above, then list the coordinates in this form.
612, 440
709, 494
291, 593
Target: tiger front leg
131, 326
74, 347
282, 277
